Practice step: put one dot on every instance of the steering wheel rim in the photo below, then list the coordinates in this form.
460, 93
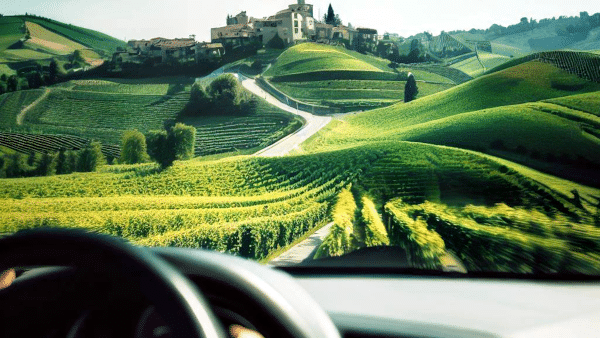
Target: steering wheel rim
184, 308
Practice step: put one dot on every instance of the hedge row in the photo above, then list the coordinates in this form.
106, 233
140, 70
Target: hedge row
490, 248
254, 239
375, 232
326, 75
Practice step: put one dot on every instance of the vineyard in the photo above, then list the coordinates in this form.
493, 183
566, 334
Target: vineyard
84, 110
490, 95
345, 80
247, 206
28, 143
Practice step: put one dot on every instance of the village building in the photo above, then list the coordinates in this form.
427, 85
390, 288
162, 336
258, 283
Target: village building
234, 35
296, 23
209, 51
366, 39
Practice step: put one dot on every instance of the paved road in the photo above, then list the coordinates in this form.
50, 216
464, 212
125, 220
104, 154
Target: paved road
287, 144
304, 250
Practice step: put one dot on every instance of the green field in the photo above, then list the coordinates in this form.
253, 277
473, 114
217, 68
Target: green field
103, 109
12, 30
86, 37
482, 112
336, 77
475, 67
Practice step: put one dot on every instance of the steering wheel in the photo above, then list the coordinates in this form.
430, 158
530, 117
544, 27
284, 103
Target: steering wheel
183, 307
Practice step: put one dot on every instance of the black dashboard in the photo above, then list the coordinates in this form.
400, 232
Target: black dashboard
64, 302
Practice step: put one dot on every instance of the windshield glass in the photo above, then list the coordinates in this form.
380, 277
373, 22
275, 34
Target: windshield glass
462, 136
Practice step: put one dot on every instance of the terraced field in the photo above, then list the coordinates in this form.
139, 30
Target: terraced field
28, 143
336, 77
102, 110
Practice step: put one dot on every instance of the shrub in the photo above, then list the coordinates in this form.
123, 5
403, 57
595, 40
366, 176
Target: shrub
184, 140
159, 146
90, 157
133, 147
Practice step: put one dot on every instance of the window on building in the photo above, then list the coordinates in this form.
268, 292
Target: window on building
296, 30
295, 15
295, 23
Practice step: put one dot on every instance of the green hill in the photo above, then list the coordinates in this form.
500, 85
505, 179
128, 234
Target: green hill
102, 110
497, 112
87, 37
337, 77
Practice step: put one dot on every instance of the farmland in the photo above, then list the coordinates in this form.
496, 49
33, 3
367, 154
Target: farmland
336, 77
389, 176
103, 109
253, 206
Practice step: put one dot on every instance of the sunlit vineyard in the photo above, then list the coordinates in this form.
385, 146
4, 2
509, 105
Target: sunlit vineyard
27, 143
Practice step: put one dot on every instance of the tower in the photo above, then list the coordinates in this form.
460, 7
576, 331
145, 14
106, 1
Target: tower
301, 2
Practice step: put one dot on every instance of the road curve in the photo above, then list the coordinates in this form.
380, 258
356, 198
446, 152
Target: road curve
287, 144
284, 146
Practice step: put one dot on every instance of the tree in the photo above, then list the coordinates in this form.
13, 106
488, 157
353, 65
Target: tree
46, 166
176, 142
52, 71
62, 164
90, 157
12, 85
15, 165
184, 141
226, 94
133, 147
330, 16
160, 147
410, 89
276, 42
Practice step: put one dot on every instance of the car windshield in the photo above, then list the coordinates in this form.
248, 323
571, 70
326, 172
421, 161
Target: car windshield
458, 136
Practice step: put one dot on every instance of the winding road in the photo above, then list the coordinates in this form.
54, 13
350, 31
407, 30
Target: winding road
291, 142
287, 144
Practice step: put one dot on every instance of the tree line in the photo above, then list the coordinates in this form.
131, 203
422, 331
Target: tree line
164, 146
52, 163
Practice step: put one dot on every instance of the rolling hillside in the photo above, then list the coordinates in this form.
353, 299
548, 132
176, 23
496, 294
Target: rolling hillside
102, 110
337, 77
27, 41
495, 113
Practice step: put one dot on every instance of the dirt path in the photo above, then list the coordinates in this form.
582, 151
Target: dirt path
304, 250
23, 112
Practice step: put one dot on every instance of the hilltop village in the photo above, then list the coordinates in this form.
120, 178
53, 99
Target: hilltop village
287, 27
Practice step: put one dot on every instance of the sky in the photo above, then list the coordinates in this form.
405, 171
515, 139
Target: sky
145, 19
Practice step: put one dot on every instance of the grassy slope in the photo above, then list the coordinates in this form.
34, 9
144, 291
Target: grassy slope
353, 92
473, 67
476, 113
310, 57
45, 39
11, 31
86, 37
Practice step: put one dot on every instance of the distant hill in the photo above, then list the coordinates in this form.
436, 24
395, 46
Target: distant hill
27, 41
